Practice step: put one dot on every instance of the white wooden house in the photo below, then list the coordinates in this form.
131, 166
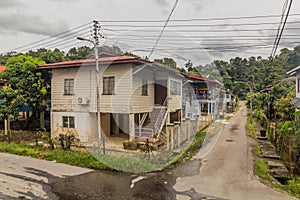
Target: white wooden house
137, 97
296, 72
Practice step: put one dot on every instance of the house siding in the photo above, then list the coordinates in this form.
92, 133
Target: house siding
119, 102
138, 102
85, 125
174, 101
59, 101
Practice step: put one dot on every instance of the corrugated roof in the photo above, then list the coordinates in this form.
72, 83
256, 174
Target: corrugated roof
200, 78
106, 59
116, 59
2, 68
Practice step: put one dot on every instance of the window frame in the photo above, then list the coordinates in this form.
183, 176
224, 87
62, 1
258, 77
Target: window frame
69, 86
108, 85
175, 88
145, 87
68, 122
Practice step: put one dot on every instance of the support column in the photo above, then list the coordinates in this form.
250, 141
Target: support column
168, 136
188, 130
117, 124
172, 136
177, 125
131, 127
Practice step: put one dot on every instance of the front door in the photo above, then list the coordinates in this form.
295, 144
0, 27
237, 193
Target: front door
160, 92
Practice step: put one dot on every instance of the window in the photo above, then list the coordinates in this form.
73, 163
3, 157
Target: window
145, 88
108, 85
69, 87
68, 122
175, 88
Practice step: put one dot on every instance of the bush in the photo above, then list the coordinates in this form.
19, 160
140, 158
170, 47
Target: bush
261, 169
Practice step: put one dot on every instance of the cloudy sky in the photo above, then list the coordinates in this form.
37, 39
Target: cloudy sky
202, 31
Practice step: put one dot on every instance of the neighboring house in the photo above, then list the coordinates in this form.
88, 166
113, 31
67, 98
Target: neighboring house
137, 98
200, 97
230, 101
296, 72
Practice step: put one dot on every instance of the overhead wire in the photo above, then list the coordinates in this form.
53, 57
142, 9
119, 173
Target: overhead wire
196, 33
162, 31
285, 14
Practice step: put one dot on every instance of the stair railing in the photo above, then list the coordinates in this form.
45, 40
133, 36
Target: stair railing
161, 117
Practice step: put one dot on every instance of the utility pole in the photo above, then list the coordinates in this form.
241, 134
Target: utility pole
95, 42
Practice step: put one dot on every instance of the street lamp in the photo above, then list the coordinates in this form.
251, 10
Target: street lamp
251, 91
97, 89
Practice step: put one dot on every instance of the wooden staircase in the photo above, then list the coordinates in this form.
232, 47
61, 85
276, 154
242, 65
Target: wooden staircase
153, 127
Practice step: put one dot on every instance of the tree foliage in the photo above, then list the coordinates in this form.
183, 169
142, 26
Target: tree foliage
24, 85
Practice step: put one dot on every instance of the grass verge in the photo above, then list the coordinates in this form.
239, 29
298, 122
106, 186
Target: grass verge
87, 160
189, 151
251, 128
256, 150
76, 158
292, 187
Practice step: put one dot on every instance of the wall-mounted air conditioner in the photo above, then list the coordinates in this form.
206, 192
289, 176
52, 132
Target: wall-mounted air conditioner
82, 100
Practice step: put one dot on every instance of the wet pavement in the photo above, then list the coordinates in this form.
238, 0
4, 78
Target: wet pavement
221, 170
119, 186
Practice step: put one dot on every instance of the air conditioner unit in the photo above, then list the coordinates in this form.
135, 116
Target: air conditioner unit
82, 100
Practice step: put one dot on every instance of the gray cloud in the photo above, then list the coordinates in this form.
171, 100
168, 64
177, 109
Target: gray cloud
14, 19
162, 3
64, 0
12, 4
199, 4
11, 22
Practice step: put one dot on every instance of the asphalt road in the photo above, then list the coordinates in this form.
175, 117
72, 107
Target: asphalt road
28, 178
227, 170
221, 170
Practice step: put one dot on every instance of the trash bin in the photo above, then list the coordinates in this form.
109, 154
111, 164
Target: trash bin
263, 133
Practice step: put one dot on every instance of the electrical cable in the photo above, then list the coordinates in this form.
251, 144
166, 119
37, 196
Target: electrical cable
165, 25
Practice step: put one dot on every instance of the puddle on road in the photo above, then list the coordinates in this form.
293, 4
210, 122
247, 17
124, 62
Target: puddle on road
229, 140
119, 185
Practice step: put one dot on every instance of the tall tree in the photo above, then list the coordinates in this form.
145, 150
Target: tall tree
24, 85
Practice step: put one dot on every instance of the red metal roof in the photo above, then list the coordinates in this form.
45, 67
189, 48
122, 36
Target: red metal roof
108, 59
2, 68
199, 78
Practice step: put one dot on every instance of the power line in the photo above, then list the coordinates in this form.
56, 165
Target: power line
197, 25
54, 36
165, 25
282, 26
199, 19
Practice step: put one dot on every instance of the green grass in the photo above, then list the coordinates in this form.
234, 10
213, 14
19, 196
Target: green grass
261, 169
227, 118
76, 158
251, 128
137, 164
256, 150
293, 187
189, 151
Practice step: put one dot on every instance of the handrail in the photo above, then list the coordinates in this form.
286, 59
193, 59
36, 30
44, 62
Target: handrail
160, 116
139, 130
143, 119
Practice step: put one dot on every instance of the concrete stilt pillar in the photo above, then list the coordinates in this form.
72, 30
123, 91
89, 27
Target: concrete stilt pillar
131, 127
172, 136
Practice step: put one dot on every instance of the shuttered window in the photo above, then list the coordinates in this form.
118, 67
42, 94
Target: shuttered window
109, 85
69, 86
